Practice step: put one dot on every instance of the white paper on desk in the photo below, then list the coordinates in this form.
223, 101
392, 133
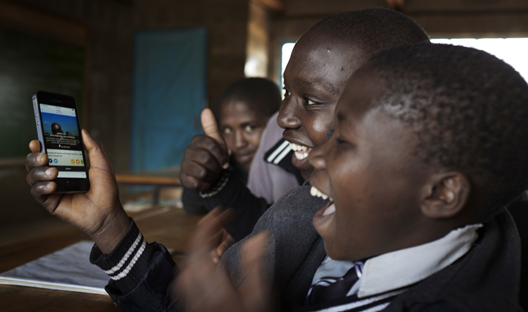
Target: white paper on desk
67, 269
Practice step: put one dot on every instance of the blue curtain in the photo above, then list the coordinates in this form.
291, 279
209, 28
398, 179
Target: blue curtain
169, 95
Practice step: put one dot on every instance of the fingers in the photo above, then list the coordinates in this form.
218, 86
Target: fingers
35, 159
227, 242
34, 146
42, 192
203, 239
40, 174
205, 150
201, 286
202, 163
211, 130
254, 291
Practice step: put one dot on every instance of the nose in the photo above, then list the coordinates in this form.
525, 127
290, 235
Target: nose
240, 139
287, 118
316, 156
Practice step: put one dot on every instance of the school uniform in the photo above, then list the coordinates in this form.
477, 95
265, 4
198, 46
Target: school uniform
271, 175
485, 278
194, 204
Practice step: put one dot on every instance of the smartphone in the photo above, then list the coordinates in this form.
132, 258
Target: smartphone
59, 133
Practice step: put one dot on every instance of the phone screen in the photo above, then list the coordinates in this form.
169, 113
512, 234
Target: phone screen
62, 139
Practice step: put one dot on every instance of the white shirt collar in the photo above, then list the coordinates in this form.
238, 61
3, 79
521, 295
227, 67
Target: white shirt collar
405, 267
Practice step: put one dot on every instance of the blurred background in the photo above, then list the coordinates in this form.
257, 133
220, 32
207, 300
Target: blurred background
142, 70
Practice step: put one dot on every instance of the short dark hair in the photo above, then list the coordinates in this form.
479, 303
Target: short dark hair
468, 109
371, 30
259, 94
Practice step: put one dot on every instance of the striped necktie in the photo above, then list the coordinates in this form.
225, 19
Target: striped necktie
331, 288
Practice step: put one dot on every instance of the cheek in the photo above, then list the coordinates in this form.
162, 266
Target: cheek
320, 123
230, 141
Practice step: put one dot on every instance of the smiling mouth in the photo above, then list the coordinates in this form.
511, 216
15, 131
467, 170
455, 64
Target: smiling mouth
328, 209
300, 151
315, 192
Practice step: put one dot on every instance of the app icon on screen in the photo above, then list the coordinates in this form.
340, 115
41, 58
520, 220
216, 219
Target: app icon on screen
73, 161
77, 161
50, 160
55, 160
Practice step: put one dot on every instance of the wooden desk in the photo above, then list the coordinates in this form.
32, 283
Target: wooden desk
156, 181
168, 226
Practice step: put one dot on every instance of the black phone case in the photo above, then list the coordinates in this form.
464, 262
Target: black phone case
64, 185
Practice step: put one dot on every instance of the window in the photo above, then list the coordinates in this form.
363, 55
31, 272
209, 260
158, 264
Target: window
513, 51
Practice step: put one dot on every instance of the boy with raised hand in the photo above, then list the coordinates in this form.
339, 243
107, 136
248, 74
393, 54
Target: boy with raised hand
428, 151
321, 62
243, 112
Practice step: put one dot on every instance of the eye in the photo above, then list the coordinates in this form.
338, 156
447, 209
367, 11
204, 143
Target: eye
248, 128
227, 130
311, 102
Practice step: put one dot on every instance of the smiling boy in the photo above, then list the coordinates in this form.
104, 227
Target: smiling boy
428, 150
321, 62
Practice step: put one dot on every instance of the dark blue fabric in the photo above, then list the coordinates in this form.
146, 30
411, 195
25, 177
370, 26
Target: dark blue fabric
153, 291
169, 94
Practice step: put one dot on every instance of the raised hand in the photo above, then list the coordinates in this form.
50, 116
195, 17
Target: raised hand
203, 287
225, 240
206, 157
98, 212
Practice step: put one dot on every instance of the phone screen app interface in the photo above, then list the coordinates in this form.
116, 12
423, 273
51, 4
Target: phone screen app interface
63, 140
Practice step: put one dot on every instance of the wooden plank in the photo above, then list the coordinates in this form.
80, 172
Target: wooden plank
43, 24
396, 4
13, 163
147, 180
275, 5
170, 227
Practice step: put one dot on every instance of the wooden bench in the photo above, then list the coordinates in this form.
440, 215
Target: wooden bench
143, 180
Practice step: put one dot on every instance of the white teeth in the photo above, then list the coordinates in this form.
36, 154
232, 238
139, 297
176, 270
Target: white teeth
301, 156
315, 192
330, 210
300, 150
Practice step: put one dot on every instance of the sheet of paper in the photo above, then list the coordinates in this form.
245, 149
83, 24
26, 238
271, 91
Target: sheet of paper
67, 269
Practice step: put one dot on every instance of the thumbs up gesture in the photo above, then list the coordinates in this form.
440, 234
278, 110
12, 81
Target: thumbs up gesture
206, 157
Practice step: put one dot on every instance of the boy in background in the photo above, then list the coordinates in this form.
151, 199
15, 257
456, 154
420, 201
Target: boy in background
243, 112
428, 151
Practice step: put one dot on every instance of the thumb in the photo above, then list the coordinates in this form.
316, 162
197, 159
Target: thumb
211, 128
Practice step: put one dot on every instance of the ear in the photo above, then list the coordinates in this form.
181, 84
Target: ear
445, 195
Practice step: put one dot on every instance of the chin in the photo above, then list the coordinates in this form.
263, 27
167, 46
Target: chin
332, 253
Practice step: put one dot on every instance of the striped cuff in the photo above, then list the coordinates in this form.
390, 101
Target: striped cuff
128, 262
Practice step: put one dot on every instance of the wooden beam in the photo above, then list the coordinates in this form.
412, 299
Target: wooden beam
12, 163
37, 22
274, 5
396, 4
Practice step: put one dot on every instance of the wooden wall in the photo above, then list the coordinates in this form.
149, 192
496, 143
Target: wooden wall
110, 26
441, 19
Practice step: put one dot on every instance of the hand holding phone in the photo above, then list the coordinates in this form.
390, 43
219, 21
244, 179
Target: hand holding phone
96, 212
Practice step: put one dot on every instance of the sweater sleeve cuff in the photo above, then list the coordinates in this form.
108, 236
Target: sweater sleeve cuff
129, 260
223, 195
